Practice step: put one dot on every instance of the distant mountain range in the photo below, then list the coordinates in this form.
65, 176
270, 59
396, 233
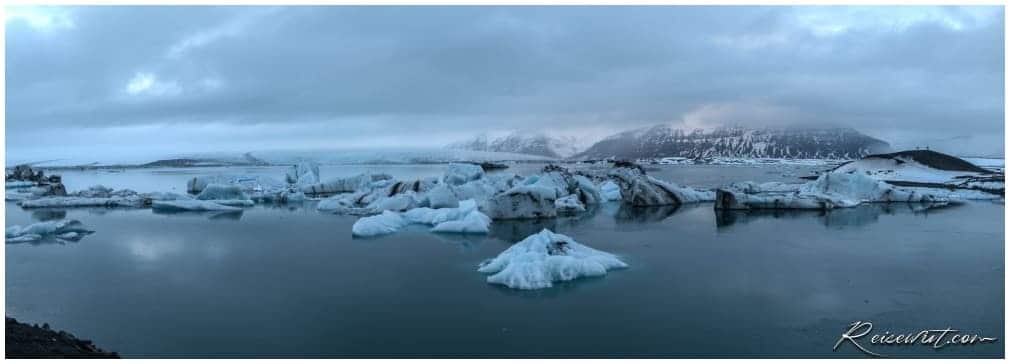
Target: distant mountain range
539, 144
795, 142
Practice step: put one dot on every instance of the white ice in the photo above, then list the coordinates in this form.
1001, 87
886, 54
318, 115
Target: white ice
610, 191
191, 205
305, 173
543, 258
63, 229
463, 219
569, 204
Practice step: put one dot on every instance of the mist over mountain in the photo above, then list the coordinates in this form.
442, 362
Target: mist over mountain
520, 142
736, 141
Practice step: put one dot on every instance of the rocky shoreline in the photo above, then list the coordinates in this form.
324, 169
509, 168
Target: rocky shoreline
26, 341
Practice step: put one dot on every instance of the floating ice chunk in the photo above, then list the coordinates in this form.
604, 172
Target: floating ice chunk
345, 184
473, 222
545, 257
830, 190
303, 174
523, 202
610, 191
460, 173
222, 192
400, 202
292, 196
463, 219
685, 194
95, 196
851, 189
63, 229
193, 205
255, 185
229, 195
387, 222
569, 204
442, 196
20, 184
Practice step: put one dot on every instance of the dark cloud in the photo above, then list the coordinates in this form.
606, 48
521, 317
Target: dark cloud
347, 74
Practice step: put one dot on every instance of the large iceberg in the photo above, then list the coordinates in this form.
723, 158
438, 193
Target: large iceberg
544, 258
66, 230
830, 190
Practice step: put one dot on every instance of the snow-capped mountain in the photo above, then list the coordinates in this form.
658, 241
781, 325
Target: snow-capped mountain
522, 143
792, 142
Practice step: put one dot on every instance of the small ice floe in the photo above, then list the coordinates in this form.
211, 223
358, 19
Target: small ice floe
463, 219
19, 184
63, 230
543, 258
610, 191
191, 205
830, 190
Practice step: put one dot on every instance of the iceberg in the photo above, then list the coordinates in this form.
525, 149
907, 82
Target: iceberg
569, 204
523, 202
191, 205
345, 184
229, 195
460, 173
256, 186
387, 222
464, 219
830, 190
543, 258
610, 191
71, 230
303, 174
94, 196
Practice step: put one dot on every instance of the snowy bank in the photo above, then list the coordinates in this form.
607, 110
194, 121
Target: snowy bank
545, 257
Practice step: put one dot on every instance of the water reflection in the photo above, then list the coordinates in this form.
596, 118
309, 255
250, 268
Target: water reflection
842, 218
210, 215
640, 215
49, 214
513, 231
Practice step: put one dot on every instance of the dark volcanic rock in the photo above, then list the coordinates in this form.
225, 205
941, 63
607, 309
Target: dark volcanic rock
32, 341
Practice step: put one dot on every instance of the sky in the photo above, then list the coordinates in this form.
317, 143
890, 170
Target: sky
108, 82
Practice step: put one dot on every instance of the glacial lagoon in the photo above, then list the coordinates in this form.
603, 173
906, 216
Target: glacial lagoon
290, 281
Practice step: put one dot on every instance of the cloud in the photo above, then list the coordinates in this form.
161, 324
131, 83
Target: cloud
431, 74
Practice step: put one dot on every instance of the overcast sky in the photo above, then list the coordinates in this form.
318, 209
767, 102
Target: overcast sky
107, 81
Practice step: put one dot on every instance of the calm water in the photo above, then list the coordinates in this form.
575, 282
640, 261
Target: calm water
290, 281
